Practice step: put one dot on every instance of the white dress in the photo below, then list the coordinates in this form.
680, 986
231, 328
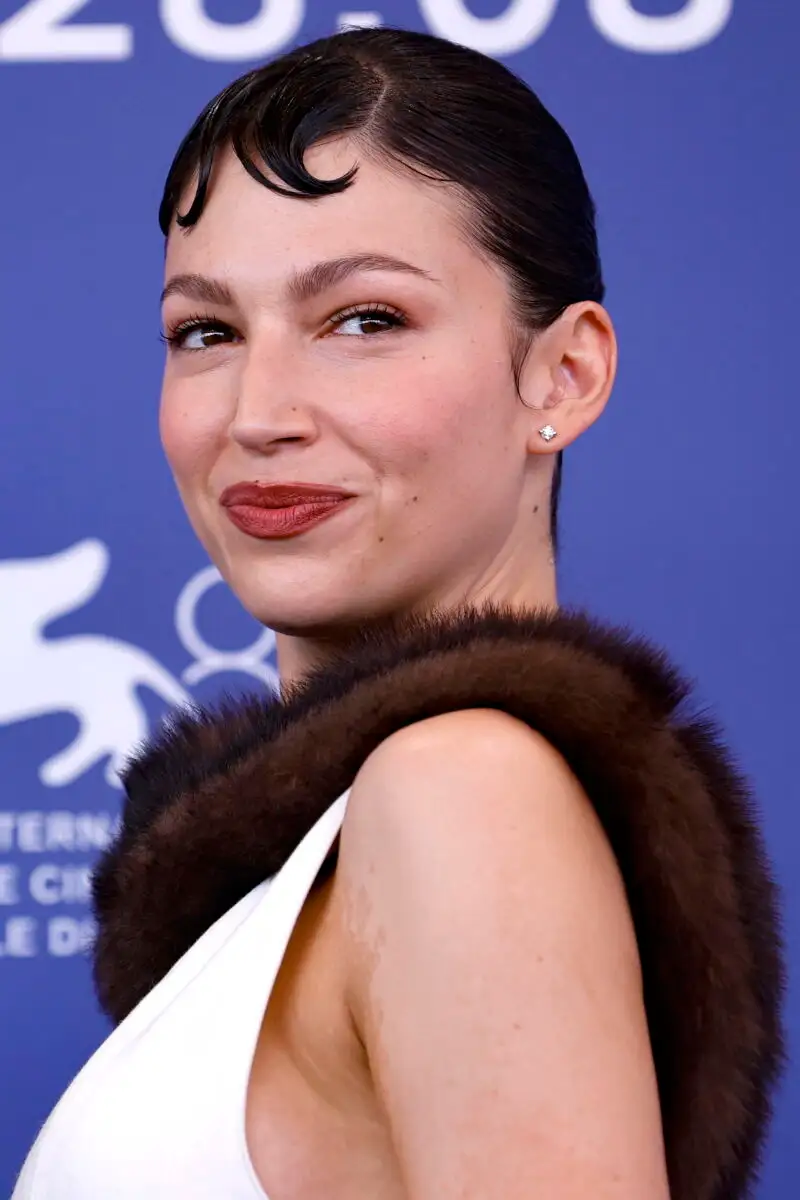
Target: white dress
159, 1110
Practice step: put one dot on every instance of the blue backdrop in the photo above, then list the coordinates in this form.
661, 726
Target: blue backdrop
680, 509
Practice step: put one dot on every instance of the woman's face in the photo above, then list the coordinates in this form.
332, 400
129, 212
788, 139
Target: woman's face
301, 354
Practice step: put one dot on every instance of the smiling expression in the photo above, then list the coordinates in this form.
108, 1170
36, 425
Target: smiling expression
358, 341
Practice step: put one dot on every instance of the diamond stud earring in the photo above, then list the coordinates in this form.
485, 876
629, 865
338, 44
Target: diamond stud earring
547, 432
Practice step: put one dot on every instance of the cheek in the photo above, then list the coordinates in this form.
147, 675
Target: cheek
191, 434
439, 420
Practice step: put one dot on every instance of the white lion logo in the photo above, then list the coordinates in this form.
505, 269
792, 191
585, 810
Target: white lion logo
93, 677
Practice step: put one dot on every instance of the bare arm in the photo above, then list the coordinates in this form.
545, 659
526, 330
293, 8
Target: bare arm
493, 973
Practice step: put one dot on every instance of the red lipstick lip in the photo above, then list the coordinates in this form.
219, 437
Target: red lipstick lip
280, 495
281, 510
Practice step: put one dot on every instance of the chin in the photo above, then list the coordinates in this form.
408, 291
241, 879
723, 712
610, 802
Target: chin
321, 593
302, 608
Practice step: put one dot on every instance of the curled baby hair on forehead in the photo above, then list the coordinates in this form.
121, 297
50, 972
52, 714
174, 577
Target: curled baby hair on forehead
429, 106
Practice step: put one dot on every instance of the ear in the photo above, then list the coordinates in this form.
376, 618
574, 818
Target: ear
568, 375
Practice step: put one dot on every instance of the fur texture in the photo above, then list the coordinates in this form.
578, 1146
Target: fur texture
220, 799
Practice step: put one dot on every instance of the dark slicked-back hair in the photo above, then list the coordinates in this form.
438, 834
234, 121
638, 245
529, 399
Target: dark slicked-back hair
431, 107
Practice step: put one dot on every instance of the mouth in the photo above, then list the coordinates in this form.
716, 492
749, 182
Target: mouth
281, 510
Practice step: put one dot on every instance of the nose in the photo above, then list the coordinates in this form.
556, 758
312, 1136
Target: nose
270, 408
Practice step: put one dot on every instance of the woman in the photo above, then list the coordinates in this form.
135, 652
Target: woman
542, 958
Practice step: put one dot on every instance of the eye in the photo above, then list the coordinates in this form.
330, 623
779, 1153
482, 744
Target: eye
367, 320
198, 333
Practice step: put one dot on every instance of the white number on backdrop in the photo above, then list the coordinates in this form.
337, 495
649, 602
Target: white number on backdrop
39, 30
698, 22
37, 33
273, 28
521, 24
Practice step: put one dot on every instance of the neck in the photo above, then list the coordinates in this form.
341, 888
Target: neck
298, 654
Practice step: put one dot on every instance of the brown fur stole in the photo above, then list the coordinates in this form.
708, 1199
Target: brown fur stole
220, 799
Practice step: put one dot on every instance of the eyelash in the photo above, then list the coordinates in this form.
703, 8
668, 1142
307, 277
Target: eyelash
174, 337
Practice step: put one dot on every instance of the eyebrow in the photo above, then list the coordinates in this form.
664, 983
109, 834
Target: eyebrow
302, 285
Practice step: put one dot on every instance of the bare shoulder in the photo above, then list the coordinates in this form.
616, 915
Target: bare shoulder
477, 785
489, 952
458, 743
